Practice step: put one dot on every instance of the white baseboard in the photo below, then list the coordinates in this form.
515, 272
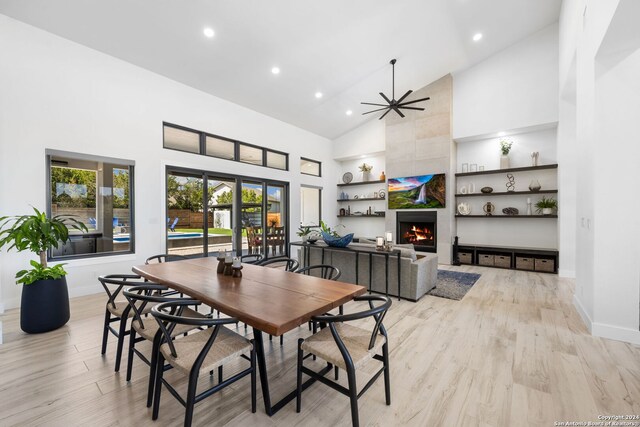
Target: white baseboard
569, 274
616, 333
583, 313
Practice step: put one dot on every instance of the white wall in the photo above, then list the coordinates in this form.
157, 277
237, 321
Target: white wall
602, 39
512, 89
367, 139
61, 95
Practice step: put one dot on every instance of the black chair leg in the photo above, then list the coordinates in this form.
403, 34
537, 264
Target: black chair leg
121, 335
152, 370
191, 397
105, 331
253, 378
336, 371
299, 377
353, 396
157, 387
387, 383
132, 345
270, 337
281, 340
219, 374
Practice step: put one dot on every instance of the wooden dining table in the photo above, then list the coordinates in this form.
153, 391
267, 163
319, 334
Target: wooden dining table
270, 300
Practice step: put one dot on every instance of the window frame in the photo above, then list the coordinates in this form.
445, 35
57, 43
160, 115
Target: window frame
315, 187
49, 153
306, 159
237, 143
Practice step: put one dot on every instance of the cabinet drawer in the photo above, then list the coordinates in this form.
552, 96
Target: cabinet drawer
503, 261
524, 263
466, 257
546, 265
484, 259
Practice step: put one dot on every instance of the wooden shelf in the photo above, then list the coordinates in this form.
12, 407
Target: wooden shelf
506, 216
497, 171
361, 216
362, 183
361, 200
507, 193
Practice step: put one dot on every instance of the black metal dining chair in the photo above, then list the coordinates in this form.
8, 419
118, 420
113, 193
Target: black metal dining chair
117, 310
289, 264
146, 328
251, 258
324, 271
164, 258
197, 353
348, 347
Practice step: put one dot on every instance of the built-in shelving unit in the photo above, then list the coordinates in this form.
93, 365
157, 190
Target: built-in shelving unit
362, 216
361, 199
508, 193
521, 169
362, 183
507, 216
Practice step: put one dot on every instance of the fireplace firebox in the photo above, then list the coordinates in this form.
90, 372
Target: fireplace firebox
419, 229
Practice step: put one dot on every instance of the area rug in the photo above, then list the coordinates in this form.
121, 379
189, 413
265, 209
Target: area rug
453, 284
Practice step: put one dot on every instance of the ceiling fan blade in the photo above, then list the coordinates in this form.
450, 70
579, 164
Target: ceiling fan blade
385, 98
371, 103
404, 96
411, 108
416, 100
387, 112
373, 111
398, 111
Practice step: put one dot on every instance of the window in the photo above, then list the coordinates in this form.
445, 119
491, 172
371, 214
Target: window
193, 141
249, 154
310, 167
221, 148
99, 192
310, 205
181, 139
276, 160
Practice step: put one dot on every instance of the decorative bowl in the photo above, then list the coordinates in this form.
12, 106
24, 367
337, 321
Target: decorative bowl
338, 242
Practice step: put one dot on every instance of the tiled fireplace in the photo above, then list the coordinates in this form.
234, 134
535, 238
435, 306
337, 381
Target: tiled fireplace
418, 228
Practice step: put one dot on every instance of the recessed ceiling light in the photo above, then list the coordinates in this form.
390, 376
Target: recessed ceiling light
275, 70
349, 112
318, 95
477, 37
208, 32
502, 133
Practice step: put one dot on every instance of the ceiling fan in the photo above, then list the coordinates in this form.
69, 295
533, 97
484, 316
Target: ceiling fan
392, 104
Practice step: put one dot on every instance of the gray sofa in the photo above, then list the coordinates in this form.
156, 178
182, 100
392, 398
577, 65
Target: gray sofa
418, 272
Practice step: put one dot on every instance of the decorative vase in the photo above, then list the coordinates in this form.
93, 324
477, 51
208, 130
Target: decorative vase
366, 175
547, 211
504, 161
383, 177
305, 238
534, 185
44, 305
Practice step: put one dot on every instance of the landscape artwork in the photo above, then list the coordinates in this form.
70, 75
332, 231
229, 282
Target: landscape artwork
417, 192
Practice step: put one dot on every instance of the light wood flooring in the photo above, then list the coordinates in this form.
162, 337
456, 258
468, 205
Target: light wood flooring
513, 352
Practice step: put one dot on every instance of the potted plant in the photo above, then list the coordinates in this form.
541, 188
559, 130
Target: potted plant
366, 171
505, 147
546, 206
45, 298
303, 232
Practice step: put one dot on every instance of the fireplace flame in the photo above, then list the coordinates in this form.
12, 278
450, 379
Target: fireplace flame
417, 235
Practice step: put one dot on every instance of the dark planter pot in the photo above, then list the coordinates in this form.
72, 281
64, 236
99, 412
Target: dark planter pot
44, 306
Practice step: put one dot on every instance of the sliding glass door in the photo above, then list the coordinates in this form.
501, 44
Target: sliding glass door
209, 212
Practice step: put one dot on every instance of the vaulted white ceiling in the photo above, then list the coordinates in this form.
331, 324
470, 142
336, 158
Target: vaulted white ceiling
340, 48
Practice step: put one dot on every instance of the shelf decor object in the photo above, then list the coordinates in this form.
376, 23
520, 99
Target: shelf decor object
534, 158
534, 185
383, 177
366, 171
347, 177
511, 183
473, 167
338, 242
465, 167
489, 208
510, 211
464, 209
486, 190
393, 104
505, 147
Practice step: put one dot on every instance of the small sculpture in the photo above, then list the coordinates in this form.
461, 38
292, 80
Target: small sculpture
489, 208
534, 158
486, 190
510, 211
464, 209
511, 184
534, 185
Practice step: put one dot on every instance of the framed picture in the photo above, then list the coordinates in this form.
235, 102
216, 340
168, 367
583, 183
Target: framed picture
417, 192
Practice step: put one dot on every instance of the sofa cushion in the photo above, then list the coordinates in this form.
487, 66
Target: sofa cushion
407, 251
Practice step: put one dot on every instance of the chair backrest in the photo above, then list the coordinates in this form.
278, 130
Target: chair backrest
113, 284
169, 314
377, 312
251, 258
289, 264
325, 271
139, 296
164, 258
